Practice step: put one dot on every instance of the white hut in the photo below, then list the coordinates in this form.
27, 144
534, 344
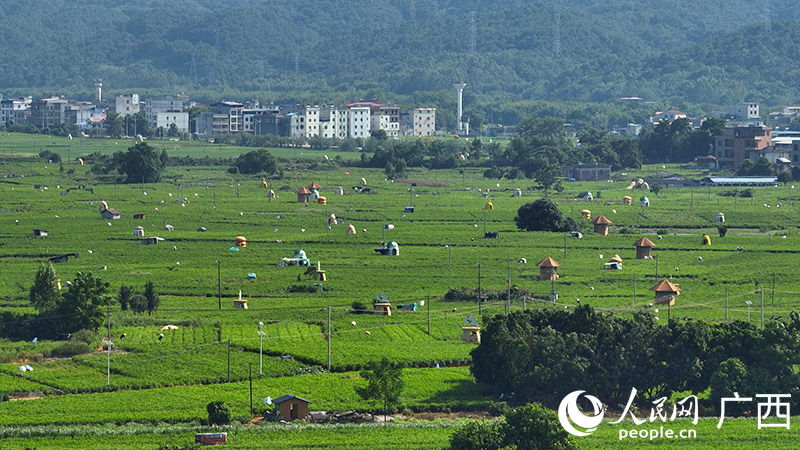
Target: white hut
351, 229
720, 218
138, 231
338, 191
517, 192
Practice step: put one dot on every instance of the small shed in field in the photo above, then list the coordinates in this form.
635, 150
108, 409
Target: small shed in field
314, 185
303, 194
471, 335
665, 293
139, 216
110, 214
291, 407
719, 218
338, 191
382, 309
152, 240
38, 232
138, 231
601, 225
643, 247
548, 268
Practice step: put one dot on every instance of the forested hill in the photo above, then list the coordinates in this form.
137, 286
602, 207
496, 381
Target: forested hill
715, 51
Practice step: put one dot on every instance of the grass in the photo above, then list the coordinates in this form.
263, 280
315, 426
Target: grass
441, 244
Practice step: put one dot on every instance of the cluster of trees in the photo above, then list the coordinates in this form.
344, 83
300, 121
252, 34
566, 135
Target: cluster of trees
678, 142
139, 303
529, 427
79, 305
257, 161
545, 354
543, 215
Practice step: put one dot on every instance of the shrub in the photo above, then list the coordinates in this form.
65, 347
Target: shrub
5, 397
218, 413
69, 349
498, 408
85, 336
722, 230
359, 308
478, 435
533, 427
543, 215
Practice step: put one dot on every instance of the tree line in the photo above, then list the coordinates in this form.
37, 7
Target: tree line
543, 355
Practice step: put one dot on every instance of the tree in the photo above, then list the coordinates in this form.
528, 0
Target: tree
384, 383
529, 427
533, 427
44, 294
546, 175
138, 303
379, 135
493, 172
479, 435
173, 130
256, 161
124, 296
543, 215
141, 164
114, 125
152, 298
164, 158
218, 413
82, 305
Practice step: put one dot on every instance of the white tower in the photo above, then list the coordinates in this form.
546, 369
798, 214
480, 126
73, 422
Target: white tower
98, 91
459, 85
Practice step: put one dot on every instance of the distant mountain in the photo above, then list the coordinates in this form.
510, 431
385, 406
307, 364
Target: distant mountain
714, 51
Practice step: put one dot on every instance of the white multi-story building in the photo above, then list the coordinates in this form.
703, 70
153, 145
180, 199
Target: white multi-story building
16, 110
359, 122
250, 115
127, 104
418, 122
745, 110
304, 121
222, 117
333, 122
166, 119
168, 104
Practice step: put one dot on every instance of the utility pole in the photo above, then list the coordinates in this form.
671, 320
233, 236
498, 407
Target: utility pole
479, 289
773, 290
229, 360
634, 289
329, 338
508, 296
219, 286
726, 302
251, 389
428, 303
762, 307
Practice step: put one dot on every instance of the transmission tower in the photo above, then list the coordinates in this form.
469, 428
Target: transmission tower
557, 35
412, 10
768, 18
296, 63
473, 33
193, 68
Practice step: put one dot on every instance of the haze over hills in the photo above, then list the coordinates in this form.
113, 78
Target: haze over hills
715, 51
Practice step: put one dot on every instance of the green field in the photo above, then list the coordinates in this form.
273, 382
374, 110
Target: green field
441, 246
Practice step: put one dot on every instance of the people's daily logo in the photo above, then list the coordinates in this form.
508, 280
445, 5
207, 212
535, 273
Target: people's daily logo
569, 414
